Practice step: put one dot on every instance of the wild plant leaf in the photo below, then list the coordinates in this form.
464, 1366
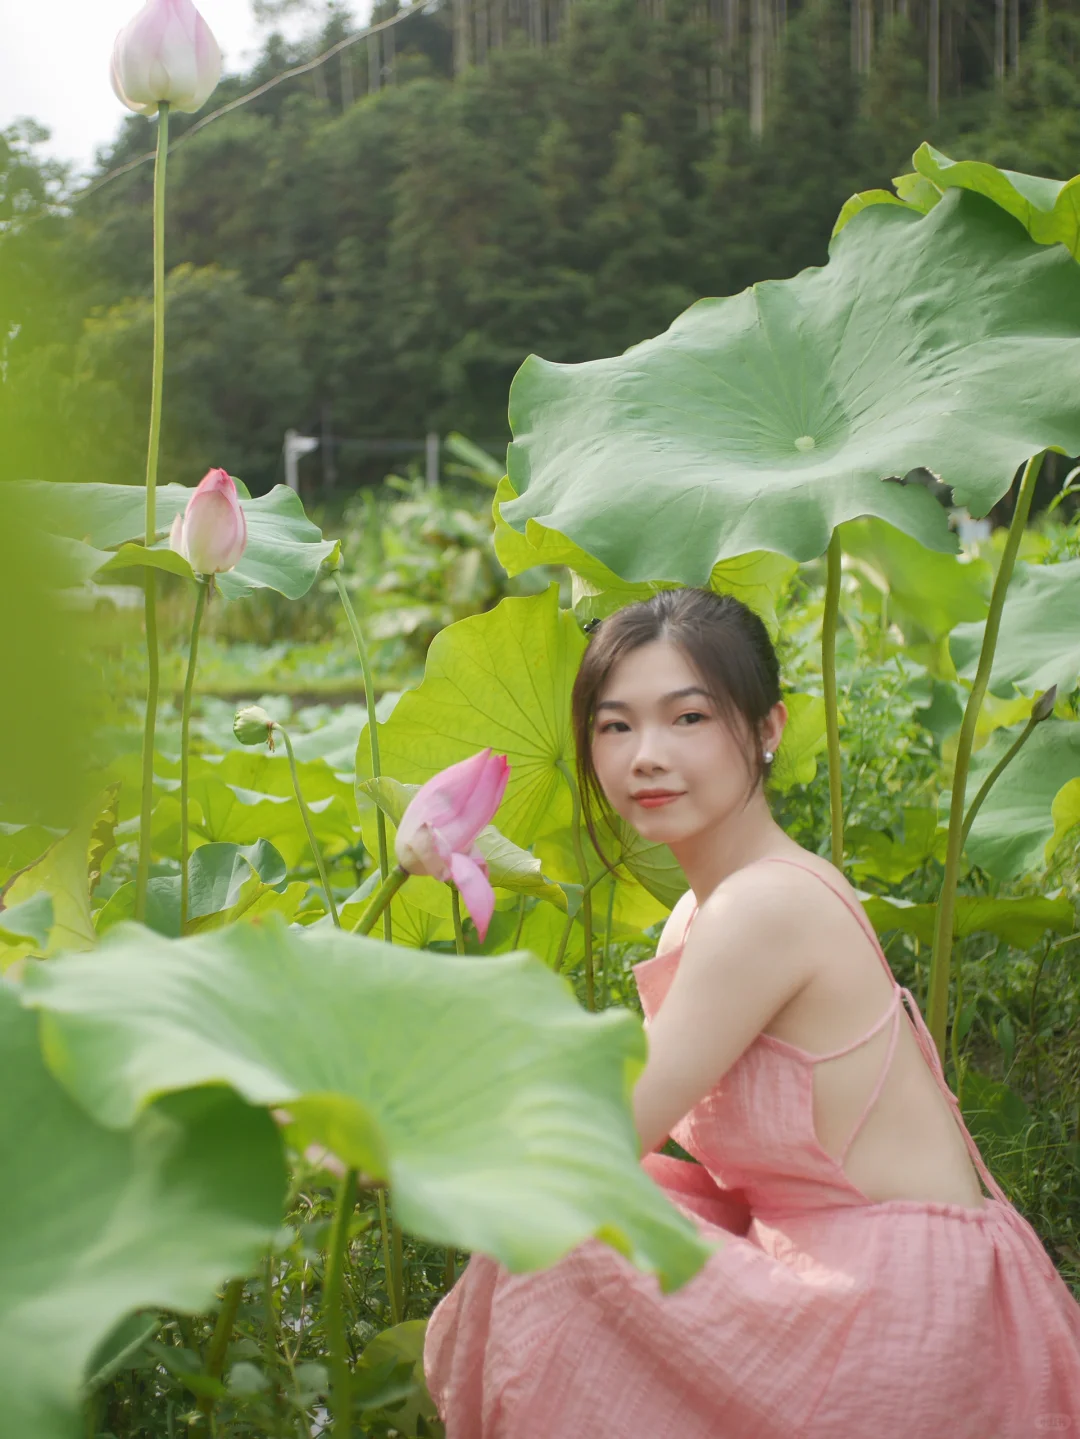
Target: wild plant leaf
1038, 644
404, 1343
890, 858
803, 740
508, 1130
502, 678
1021, 921
284, 550
509, 866
764, 420
32, 919
929, 593
1065, 813
1013, 831
63, 873
95, 1224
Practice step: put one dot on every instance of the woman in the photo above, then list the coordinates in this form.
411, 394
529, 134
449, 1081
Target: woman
864, 1284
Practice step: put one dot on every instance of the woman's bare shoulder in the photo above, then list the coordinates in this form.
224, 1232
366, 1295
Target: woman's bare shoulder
672, 933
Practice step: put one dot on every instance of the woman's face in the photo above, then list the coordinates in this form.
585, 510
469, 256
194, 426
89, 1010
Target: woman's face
657, 729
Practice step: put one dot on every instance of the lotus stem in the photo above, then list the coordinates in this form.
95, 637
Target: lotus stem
583, 869
941, 957
388, 1268
988, 784
450, 1265
341, 1372
146, 806
306, 815
520, 922
201, 592
380, 900
219, 1340
828, 684
373, 734
459, 930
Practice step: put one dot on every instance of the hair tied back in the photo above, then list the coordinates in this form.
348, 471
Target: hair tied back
590, 625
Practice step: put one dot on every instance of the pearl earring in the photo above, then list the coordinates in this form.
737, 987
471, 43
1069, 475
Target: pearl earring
768, 756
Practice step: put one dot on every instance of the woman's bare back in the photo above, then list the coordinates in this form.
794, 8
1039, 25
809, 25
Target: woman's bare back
909, 1145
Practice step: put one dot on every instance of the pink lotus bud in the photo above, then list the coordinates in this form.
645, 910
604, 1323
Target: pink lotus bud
166, 54
437, 833
212, 532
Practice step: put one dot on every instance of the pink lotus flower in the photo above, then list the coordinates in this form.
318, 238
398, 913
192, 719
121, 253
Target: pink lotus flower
212, 531
437, 833
166, 54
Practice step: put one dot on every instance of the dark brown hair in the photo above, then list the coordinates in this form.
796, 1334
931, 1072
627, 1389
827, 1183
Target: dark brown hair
725, 641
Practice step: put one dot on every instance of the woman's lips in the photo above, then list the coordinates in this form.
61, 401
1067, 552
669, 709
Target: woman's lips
654, 801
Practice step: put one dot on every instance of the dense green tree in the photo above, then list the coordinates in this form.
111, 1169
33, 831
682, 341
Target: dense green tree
384, 261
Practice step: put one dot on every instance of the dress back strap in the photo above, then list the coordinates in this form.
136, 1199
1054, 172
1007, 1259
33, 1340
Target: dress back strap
922, 1033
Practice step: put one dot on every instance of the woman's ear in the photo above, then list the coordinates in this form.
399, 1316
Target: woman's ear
774, 725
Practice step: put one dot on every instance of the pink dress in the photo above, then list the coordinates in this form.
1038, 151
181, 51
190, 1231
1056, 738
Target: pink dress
826, 1315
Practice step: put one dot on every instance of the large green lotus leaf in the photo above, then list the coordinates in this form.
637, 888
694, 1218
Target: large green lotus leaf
509, 866
232, 814
495, 1105
1038, 644
758, 579
420, 913
224, 881
926, 589
95, 1224
893, 859
1049, 210
502, 678
284, 549
1013, 831
1021, 922
864, 199
634, 909
763, 420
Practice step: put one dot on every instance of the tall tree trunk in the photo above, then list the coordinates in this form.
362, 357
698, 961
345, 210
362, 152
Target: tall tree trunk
1014, 35
731, 48
760, 29
462, 55
374, 62
390, 55
483, 43
348, 94
999, 40
933, 63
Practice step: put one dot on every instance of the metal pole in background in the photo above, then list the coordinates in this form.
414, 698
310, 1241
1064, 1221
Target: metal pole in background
432, 455
295, 446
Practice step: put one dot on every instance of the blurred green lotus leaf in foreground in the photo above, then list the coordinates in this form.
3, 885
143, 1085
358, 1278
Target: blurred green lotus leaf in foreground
95, 1223
508, 1130
764, 420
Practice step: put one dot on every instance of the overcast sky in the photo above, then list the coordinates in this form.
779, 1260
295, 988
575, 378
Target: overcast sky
54, 63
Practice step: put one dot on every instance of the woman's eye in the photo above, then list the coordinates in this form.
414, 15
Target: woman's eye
605, 728
692, 715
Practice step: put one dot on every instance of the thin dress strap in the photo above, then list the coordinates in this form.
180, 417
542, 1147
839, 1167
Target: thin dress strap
922, 1033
